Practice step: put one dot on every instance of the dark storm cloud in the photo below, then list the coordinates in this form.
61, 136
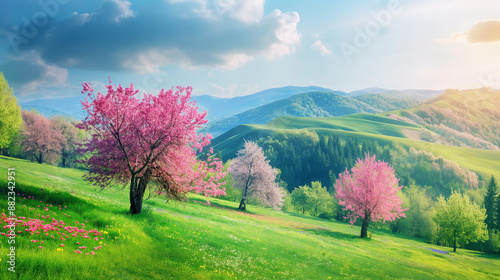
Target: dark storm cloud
115, 37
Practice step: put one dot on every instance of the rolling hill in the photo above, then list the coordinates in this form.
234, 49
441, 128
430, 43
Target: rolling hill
365, 127
312, 104
468, 118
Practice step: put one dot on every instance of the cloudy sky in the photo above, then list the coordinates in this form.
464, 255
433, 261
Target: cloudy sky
228, 48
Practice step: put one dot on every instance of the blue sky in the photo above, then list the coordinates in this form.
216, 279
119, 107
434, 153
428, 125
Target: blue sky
228, 48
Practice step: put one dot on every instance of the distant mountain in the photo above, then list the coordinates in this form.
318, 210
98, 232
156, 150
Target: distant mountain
221, 108
69, 106
218, 108
367, 91
418, 94
312, 104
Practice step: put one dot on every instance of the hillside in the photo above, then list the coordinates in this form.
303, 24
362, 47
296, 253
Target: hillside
312, 104
195, 240
468, 118
372, 128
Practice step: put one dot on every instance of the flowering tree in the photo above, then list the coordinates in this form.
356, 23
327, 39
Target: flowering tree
369, 191
41, 136
253, 175
152, 139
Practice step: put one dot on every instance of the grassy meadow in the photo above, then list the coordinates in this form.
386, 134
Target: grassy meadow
197, 240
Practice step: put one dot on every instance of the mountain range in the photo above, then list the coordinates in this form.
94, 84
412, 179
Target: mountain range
225, 113
312, 104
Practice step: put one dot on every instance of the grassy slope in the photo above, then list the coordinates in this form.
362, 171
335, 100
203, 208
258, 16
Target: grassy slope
365, 127
473, 111
197, 241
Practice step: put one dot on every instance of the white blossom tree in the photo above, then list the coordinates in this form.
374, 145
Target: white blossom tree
253, 175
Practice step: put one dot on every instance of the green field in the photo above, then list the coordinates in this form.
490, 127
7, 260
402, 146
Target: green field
194, 240
363, 127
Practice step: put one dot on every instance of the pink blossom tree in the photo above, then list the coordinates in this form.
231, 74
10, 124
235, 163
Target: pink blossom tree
253, 175
369, 191
152, 139
41, 136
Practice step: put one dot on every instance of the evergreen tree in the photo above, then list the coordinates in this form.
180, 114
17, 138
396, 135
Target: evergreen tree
497, 208
489, 203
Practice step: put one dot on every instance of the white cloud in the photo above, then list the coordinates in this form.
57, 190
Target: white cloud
319, 47
116, 10
248, 11
286, 33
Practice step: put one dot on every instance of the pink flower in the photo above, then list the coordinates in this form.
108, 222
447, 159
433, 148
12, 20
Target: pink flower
40, 247
62, 245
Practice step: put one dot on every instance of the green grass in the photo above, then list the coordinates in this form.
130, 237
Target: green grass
364, 127
194, 240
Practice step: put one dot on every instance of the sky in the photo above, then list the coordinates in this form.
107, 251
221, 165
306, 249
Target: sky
229, 48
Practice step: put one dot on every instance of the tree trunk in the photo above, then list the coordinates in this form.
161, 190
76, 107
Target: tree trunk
364, 226
242, 206
1, 154
63, 161
39, 158
454, 242
137, 189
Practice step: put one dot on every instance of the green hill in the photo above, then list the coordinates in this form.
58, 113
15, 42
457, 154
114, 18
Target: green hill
195, 240
312, 104
368, 127
468, 118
